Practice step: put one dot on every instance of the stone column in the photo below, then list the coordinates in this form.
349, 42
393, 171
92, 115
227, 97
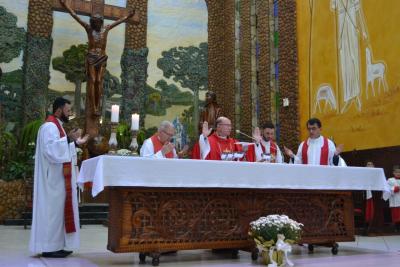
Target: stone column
36, 61
245, 66
134, 64
288, 74
264, 62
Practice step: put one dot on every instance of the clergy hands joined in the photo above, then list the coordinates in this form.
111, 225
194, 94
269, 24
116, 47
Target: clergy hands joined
82, 140
76, 135
206, 131
167, 147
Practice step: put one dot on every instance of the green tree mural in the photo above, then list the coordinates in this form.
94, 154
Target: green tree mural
12, 38
72, 64
188, 66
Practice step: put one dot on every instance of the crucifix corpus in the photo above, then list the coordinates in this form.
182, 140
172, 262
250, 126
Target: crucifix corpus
96, 58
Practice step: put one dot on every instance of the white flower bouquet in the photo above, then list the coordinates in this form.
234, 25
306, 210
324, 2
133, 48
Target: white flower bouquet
273, 236
124, 152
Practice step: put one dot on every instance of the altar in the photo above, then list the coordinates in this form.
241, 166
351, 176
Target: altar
160, 205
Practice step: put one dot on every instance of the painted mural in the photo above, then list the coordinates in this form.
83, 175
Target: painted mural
349, 70
176, 36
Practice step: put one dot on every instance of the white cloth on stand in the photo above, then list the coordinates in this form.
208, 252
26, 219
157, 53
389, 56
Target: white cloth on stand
186, 173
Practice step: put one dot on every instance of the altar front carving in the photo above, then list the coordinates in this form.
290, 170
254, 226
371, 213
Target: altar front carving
155, 220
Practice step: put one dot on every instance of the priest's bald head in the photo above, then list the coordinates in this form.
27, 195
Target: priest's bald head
223, 126
166, 131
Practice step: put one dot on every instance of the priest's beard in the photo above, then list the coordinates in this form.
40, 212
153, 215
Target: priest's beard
265, 139
64, 118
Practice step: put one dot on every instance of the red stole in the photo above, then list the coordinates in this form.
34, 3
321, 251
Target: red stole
219, 145
251, 153
273, 149
158, 146
67, 168
324, 153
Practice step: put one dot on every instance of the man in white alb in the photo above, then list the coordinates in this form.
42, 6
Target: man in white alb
55, 218
317, 149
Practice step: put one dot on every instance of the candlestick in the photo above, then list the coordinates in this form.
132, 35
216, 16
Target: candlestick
134, 144
115, 113
113, 142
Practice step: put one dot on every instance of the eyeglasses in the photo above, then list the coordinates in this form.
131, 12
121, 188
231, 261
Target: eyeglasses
312, 128
169, 134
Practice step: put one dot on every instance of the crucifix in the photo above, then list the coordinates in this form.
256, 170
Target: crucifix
96, 58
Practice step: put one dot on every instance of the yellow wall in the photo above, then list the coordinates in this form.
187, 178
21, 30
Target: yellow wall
376, 121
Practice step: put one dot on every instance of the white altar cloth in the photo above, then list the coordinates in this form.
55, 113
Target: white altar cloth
186, 173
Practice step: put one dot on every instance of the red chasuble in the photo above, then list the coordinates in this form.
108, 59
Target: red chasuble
196, 151
219, 145
324, 153
158, 146
67, 168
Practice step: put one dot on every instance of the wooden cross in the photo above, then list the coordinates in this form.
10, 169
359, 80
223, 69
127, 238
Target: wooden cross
87, 8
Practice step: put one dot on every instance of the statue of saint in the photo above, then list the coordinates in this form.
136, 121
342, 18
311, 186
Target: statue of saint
96, 58
211, 110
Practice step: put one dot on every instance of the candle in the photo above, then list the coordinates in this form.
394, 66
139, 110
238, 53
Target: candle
135, 122
115, 113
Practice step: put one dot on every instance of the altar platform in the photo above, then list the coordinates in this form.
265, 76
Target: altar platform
163, 205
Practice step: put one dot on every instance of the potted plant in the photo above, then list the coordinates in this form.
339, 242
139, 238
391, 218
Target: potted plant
274, 235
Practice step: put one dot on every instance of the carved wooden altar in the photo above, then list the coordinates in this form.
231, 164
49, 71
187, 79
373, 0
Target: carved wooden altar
153, 220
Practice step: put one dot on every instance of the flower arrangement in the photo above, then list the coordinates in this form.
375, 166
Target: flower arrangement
124, 152
273, 236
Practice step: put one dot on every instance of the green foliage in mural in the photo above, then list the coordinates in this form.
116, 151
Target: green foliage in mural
164, 96
72, 64
12, 42
12, 38
11, 95
187, 119
187, 66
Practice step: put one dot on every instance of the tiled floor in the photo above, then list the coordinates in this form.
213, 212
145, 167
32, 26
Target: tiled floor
365, 251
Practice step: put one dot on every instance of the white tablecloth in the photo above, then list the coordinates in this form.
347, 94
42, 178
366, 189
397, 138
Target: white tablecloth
185, 173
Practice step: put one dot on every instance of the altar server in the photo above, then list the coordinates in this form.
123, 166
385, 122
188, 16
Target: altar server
394, 200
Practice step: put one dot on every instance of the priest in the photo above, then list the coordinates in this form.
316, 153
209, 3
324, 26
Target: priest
213, 145
160, 145
317, 149
265, 144
55, 218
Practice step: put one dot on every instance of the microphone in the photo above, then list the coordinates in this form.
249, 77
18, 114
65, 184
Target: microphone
242, 133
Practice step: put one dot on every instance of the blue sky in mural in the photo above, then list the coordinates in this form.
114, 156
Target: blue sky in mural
170, 23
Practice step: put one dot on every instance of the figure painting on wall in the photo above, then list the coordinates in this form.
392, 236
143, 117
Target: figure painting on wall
351, 25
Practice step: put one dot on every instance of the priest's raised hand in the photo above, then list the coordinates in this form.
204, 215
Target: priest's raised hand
206, 131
